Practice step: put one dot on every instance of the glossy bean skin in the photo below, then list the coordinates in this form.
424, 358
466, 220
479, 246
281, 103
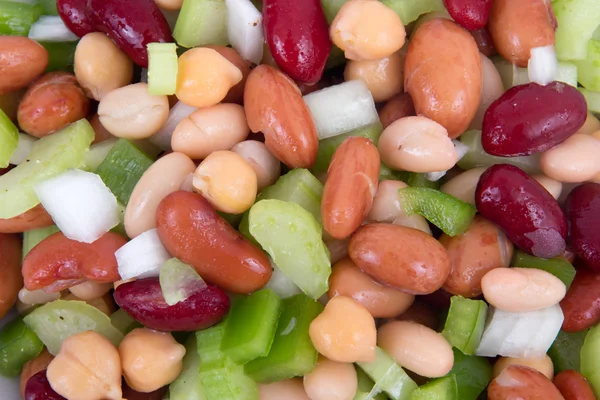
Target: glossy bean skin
384, 77
484, 41
331, 380
400, 257
470, 14
298, 36
581, 305
531, 118
35, 218
132, 24
397, 107
463, 185
236, 93
573, 386
264, 164
491, 89
517, 382
582, 206
191, 230
23, 60
11, 280
523, 209
289, 389
543, 365
38, 388
58, 258
76, 16
574, 160
39, 363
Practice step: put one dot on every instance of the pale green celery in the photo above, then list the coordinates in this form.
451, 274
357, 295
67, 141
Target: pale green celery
366, 388
49, 7
336, 58
592, 99
512, 75
201, 22
464, 324
188, 385
34, 237
589, 69
389, 376
590, 362
410, 10
577, 21
97, 153
331, 8
162, 68
178, 281
123, 321
557, 266
50, 156
444, 388
420, 180
9, 139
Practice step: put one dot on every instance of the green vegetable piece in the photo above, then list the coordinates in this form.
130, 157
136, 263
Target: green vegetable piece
336, 58
565, 352
162, 68
16, 18
444, 388
293, 239
122, 169
209, 347
366, 388
123, 321
559, 267
577, 20
592, 99
179, 281
34, 237
50, 156
472, 374
9, 139
188, 385
292, 353
49, 7
465, 323
228, 383
410, 10
421, 181
55, 321
201, 22
588, 70
590, 362
97, 153
389, 376
386, 173
61, 56
18, 344
331, 8
251, 326
451, 215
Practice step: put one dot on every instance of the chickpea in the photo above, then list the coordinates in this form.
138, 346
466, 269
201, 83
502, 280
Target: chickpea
463, 185
204, 77
266, 166
150, 359
100, 66
289, 389
86, 367
236, 93
227, 181
384, 77
344, 331
331, 380
169, 5
33, 297
32, 367
367, 30
90, 290
543, 365
574, 160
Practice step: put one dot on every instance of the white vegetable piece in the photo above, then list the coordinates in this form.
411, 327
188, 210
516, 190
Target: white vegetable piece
51, 29
179, 281
281, 284
342, 108
521, 335
245, 29
142, 257
162, 138
543, 65
23, 149
80, 204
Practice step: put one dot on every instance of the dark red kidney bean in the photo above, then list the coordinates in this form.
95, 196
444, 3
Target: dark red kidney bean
484, 41
130, 394
523, 209
470, 14
582, 208
38, 388
132, 24
573, 386
76, 16
581, 305
298, 37
531, 118
144, 301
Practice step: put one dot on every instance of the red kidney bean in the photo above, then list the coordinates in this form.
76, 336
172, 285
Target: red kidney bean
130, 394
581, 305
470, 14
298, 37
573, 386
531, 118
144, 301
38, 388
397, 107
76, 16
523, 209
484, 41
132, 24
582, 208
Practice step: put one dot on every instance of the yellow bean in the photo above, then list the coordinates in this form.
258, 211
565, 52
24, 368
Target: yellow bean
384, 77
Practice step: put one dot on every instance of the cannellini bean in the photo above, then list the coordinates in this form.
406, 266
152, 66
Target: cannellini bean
417, 348
417, 144
463, 185
289, 389
170, 5
591, 125
33, 297
491, 89
553, 186
384, 77
344, 331
264, 164
414, 221
331, 380
543, 365
90, 290
522, 289
574, 160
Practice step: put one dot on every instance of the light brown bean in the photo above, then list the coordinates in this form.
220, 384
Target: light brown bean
169, 5
543, 365
338, 249
163, 177
417, 348
289, 389
574, 160
463, 185
106, 303
397, 107
266, 166
219, 127
553, 186
236, 93
22, 61
591, 125
331, 380
91, 290
39, 363
491, 89
520, 382
384, 77
414, 221
34, 297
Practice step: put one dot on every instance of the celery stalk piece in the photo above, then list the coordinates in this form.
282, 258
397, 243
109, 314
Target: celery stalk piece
188, 385
18, 344
465, 323
251, 326
61, 56
201, 22
559, 267
331, 8
162, 68
9, 139
293, 239
292, 353
366, 388
50, 156
565, 352
228, 383
410, 10
389, 376
512, 75
592, 99
16, 18
444, 388
55, 321
472, 374
97, 153
577, 21
122, 169
123, 321
421, 181
49, 7
336, 58
590, 362
589, 69
34, 237
209, 347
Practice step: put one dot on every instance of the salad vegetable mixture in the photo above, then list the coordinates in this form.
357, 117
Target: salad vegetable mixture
300, 199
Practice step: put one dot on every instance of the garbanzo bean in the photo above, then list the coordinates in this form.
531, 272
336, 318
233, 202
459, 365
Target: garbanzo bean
331, 380
169, 5
384, 77
266, 166
543, 365
236, 93
90, 290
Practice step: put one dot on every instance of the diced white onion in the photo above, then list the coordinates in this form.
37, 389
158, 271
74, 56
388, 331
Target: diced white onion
461, 150
342, 108
80, 204
51, 29
521, 335
142, 256
162, 138
542, 65
245, 29
23, 149
281, 284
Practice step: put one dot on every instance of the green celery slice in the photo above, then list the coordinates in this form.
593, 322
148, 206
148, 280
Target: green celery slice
451, 215
50, 156
61, 55
559, 267
386, 173
590, 362
162, 68
9, 139
49, 7
336, 58
465, 323
188, 385
292, 353
472, 374
444, 388
389, 376
577, 21
410, 10
293, 239
178, 281
16, 18
34, 237
201, 22
512, 75
421, 181
55, 321
18, 344
228, 383
366, 388
209, 347
251, 326
592, 99
122, 169
588, 70
123, 321
97, 153
565, 352
331, 8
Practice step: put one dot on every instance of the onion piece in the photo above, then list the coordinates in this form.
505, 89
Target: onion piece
80, 204
245, 29
543, 65
283, 286
162, 138
179, 281
51, 29
23, 149
342, 108
142, 257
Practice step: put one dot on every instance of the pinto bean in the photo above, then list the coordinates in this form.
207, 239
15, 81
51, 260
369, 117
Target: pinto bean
35, 218
520, 382
11, 280
22, 61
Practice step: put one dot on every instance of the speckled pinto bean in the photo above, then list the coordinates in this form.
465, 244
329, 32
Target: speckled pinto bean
22, 61
35, 218
10, 270
400, 257
581, 305
518, 382
573, 386
582, 208
523, 209
191, 230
